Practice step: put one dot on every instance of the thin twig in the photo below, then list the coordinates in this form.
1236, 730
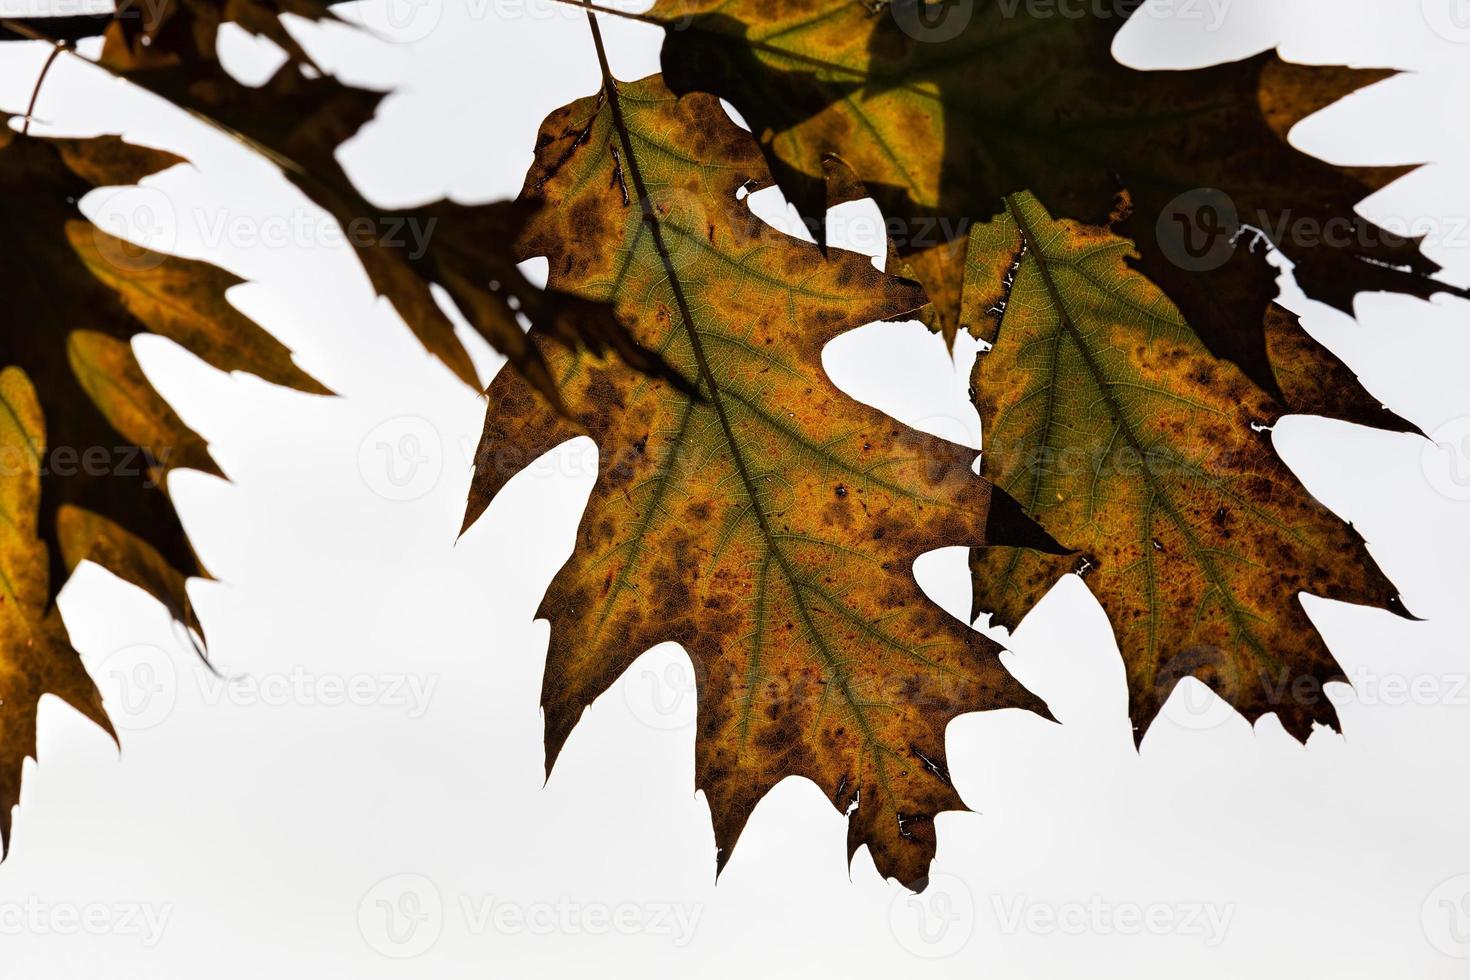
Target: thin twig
61, 46
285, 163
598, 8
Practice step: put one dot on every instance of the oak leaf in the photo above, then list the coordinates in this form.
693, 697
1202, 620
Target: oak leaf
944, 109
35, 656
297, 119
1108, 419
85, 294
100, 472
767, 523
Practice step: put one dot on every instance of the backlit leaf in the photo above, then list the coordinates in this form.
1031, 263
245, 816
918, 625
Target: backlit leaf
35, 656
1107, 418
297, 119
943, 109
769, 524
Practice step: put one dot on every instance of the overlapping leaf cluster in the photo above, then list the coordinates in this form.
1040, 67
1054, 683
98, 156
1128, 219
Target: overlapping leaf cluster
77, 295
1097, 225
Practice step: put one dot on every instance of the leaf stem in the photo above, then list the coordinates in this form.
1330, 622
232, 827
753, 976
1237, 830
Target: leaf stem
61, 46
26, 31
590, 7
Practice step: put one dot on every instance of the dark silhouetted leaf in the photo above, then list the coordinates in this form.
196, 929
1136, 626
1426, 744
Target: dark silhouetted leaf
944, 109
297, 119
78, 297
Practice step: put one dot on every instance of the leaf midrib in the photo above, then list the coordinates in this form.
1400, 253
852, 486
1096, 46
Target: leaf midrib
1238, 616
836, 675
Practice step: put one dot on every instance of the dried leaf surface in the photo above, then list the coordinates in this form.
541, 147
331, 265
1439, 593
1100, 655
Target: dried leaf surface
768, 524
1113, 425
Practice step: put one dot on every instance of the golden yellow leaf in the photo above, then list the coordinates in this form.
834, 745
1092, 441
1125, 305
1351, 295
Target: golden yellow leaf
35, 655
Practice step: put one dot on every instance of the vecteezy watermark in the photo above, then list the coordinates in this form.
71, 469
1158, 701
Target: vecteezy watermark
1427, 690
933, 22
1445, 917
404, 916
565, 916
935, 922
1450, 19
1127, 462
401, 458
1182, 685
1185, 682
937, 21
1446, 459
134, 227
141, 686
662, 690
64, 461
1206, 921
1193, 705
1200, 229
307, 228
407, 21
142, 921
399, 21
866, 231
401, 917
410, 693
148, 14
1197, 229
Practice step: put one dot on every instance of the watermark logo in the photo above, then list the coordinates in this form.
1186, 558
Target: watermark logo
933, 21
937, 21
139, 685
134, 227
1446, 459
399, 21
142, 921
1207, 921
1188, 700
664, 693
1196, 230
302, 228
1446, 917
1450, 19
409, 693
566, 916
402, 916
401, 459
936, 922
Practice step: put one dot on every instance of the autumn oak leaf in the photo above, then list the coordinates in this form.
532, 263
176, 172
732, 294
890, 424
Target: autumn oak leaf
1112, 424
35, 656
768, 523
91, 483
297, 120
84, 296
944, 109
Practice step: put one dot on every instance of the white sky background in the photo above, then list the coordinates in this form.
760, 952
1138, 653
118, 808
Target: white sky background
269, 828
